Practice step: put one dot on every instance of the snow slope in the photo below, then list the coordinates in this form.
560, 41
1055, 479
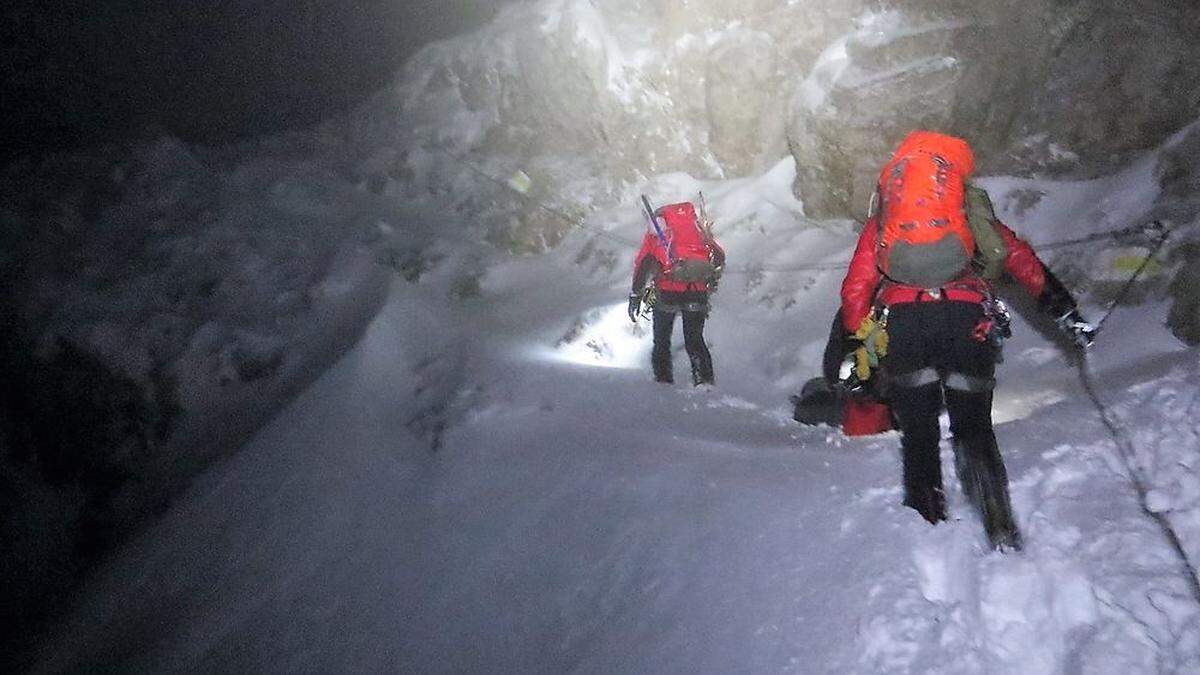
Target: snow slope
490, 482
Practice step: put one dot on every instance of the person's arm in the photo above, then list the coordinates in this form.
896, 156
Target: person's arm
718, 253
645, 267
862, 279
717, 256
1022, 262
1051, 295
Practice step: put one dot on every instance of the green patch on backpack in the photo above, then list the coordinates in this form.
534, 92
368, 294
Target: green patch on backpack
991, 251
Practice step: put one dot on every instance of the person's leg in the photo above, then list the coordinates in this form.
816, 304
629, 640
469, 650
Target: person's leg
979, 465
917, 410
915, 391
693, 340
660, 356
980, 468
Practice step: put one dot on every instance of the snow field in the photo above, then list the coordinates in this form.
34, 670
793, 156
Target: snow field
468, 491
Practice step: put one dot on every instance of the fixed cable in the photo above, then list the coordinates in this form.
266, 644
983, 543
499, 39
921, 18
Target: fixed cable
1127, 451
1125, 446
813, 267
1162, 239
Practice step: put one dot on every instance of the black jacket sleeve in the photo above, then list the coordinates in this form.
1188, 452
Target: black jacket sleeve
839, 345
1055, 299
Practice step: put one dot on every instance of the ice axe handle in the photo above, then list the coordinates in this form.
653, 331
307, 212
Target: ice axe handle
654, 221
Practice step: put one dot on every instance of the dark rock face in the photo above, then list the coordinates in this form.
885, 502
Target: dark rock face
1115, 81
1184, 316
1178, 174
159, 306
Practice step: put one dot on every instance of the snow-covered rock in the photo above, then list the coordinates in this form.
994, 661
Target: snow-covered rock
587, 98
161, 307
499, 485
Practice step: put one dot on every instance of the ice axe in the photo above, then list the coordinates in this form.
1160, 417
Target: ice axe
654, 222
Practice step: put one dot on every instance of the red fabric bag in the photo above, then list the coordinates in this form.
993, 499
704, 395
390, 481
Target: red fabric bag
864, 416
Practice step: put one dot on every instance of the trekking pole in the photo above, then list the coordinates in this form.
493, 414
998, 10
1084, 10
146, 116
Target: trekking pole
1165, 234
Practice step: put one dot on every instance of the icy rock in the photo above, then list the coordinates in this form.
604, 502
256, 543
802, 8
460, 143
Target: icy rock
1158, 501
946, 70
740, 88
1184, 316
570, 90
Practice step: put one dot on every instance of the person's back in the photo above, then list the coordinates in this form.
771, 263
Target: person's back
675, 271
912, 278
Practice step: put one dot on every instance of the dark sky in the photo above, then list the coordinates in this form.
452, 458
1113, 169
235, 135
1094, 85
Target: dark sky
77, 72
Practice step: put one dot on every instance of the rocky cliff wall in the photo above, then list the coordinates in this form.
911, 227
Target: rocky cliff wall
570, 91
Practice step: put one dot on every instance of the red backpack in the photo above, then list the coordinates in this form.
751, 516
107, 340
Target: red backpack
924, 237
689, 257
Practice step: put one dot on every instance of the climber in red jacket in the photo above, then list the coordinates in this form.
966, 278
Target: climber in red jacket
917, 302
680, 263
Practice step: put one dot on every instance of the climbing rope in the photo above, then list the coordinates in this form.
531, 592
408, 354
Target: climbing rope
1126, 450
1164, 234
1123, 443
575, 221
1125, 446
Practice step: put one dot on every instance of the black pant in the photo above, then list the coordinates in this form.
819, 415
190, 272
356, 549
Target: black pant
693, 340
934, 358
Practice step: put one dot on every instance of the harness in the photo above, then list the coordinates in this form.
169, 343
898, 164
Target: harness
900, 294
993, 327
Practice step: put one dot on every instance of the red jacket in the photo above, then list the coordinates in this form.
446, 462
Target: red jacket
865, 285
652, 258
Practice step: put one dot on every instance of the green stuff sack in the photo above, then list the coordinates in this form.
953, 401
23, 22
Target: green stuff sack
990, 249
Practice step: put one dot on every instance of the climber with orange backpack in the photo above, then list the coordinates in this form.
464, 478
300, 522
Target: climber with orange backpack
919, 303
675, 271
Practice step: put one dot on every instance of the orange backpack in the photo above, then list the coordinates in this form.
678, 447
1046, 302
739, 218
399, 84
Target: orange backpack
924, 237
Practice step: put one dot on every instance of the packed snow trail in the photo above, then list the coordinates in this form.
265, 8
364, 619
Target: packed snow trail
466, 491
589, 520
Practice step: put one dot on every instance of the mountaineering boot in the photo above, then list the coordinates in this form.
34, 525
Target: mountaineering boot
660, 361
702, 370
984, 481
1005, 536
663, 373
930, 502
997, 515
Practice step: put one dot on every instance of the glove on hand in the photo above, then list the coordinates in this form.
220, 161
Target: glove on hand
715, 280
635, 306
848, 378
1080, 331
